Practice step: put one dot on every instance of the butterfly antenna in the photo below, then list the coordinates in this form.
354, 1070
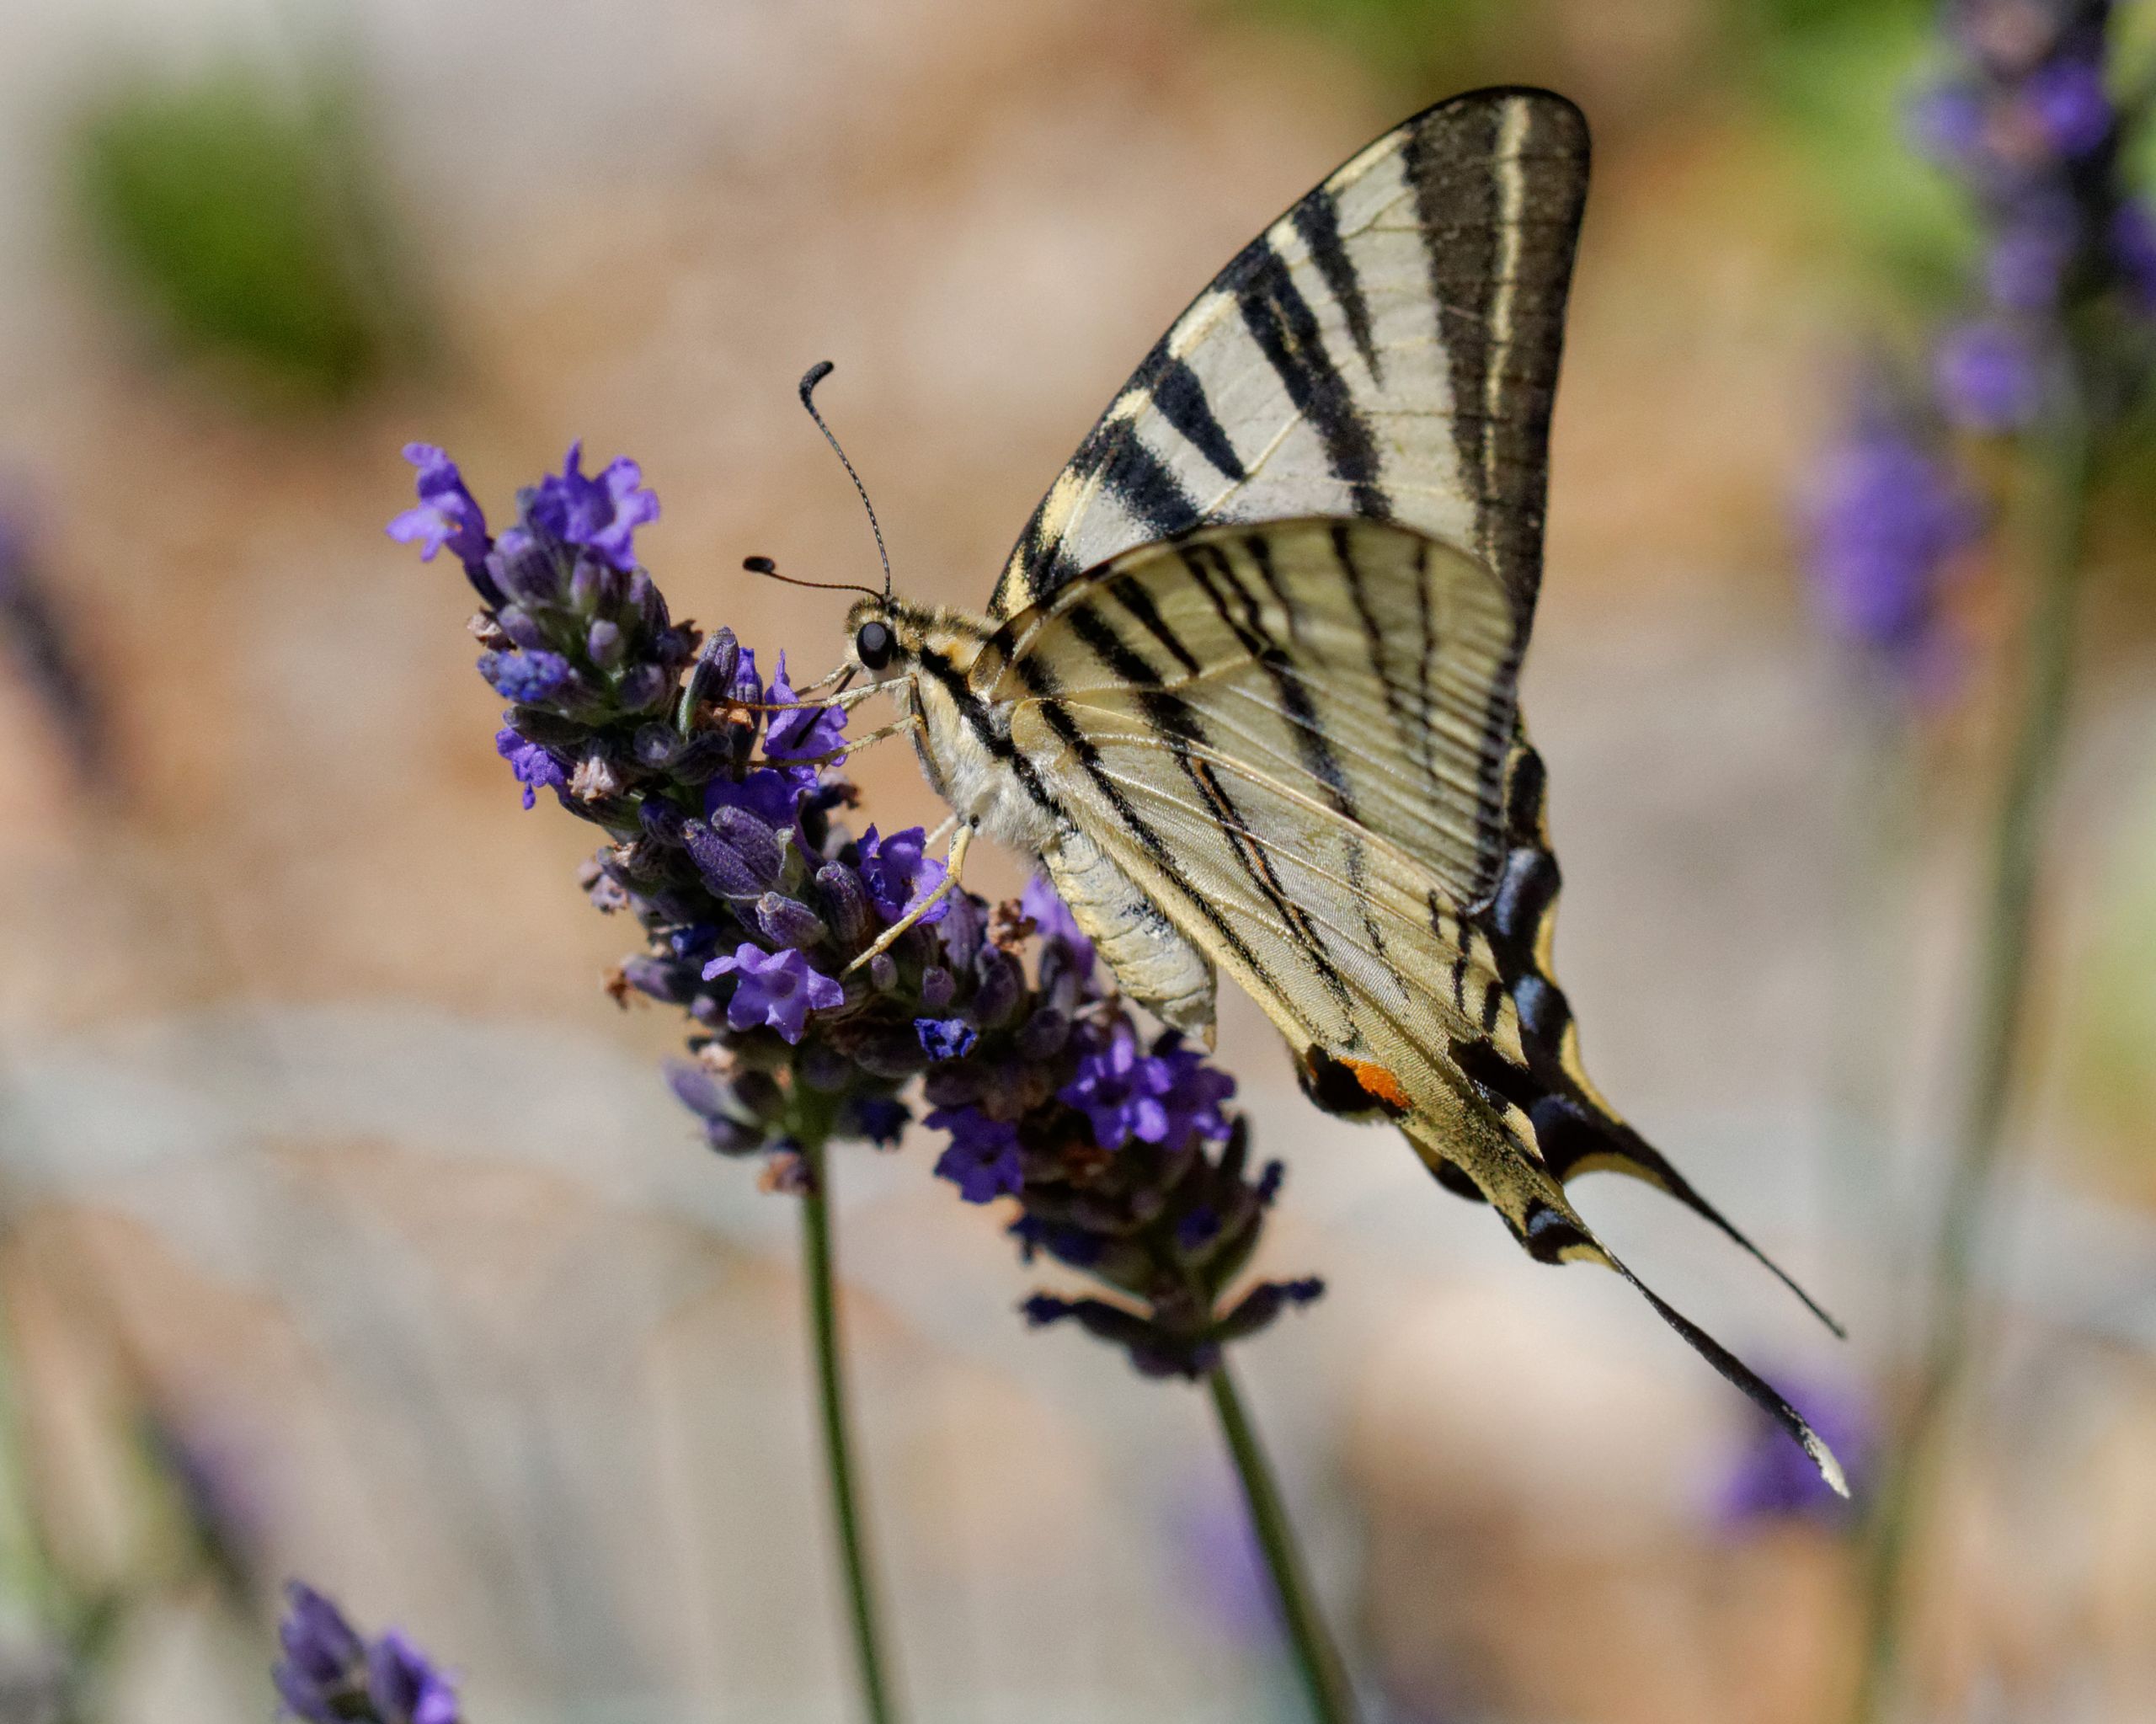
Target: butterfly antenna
769, 569
816, 373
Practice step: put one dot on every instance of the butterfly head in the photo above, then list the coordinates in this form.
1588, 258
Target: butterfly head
883, 638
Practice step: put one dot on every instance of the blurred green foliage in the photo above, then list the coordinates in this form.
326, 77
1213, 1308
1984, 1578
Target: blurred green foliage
241, 212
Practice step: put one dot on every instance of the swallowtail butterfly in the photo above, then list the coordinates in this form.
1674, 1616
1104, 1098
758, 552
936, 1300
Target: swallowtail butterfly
1247, 687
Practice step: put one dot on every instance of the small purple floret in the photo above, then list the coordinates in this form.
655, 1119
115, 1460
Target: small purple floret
945, 1037
528, 678
447, 516
983, 1159
1887, 517
1987, 377
777, 989
898, 877
800, 735
596, 513
535, 768
2070, 105
405, 1687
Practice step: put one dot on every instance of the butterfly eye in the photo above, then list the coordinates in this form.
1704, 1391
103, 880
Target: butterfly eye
873, 646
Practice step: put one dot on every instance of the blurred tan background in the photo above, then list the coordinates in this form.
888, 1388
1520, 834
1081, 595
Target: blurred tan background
321, 1142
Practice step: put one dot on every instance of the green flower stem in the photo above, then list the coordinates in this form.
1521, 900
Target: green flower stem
817, 1256
1317, 1660
2057, 511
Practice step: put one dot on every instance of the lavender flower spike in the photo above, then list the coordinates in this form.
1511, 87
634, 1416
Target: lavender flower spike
332, 1674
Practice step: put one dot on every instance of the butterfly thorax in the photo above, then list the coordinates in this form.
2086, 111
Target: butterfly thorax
929, 659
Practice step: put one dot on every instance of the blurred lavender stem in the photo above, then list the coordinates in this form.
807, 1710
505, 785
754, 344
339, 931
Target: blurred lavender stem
2056, 510
816, 1258
1317, 1659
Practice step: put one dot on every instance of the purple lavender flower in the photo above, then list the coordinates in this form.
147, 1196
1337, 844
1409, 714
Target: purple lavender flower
1987, 377
773, 795
528, 678
946, 1037
775, 989
1123, 1091
447, 515
322, 1673
2068, 104
405, 1687
1946, 123
800, 735
2027, 263
2133, 250
535, 768
983, 1159
599, 514
898, 877
1887, 517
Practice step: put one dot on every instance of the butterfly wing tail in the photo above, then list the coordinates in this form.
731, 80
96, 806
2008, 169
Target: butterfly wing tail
1582, 1143
1551, 1232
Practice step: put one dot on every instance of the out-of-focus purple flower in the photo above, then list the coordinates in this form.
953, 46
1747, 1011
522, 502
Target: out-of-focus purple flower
1196, 1089
535, 768
1946, 123
774, 989
447, 516
323, 1674
1885, 518
946, 1037
404, 1685
983, 1159
804, 734
2070, 106
1987, 377
898, 877
879, 1119
528, 678
596, 513
2133, 250
2027, 263
1769, 1478
1051, 916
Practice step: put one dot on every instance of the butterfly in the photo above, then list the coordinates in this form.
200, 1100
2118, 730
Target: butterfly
1248, 686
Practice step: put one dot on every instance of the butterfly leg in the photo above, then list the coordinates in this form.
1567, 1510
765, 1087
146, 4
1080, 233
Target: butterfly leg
954, 866
910, 722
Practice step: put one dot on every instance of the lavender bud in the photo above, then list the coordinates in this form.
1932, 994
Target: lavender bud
603, 642
823, 1068
883, 972
670, 984
962, 928
758, 1094
656, 746
547, 730
757, 844
706, 755
1000, 985
894, 1051
584, 587
530, 574
521, 627
648, 604
787, 921
644, 687
715, 668
696, 1088
846, 903
729, 1137
938, 989
662, 821
952, 1086
1043, 1035
721, 866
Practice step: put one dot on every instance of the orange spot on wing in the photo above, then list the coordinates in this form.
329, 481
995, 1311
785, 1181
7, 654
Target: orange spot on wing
1377, 1082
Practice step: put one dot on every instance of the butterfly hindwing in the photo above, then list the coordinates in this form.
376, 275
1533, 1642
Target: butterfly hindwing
1299, 743
1386, 350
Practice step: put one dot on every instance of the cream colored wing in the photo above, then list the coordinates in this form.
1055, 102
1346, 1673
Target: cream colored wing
1300, 742
1387, 350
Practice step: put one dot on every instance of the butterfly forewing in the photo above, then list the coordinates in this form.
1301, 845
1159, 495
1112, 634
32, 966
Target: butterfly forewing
1388, 350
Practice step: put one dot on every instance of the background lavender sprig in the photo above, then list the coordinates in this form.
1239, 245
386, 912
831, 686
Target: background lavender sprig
331, 1673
